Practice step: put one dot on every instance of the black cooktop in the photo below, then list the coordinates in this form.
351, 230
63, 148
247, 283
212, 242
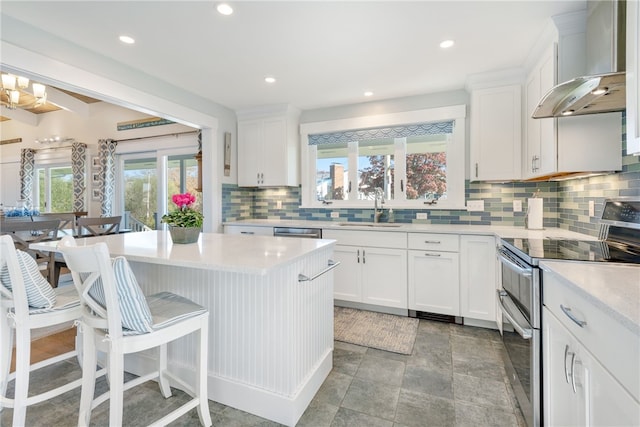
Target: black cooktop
533, 250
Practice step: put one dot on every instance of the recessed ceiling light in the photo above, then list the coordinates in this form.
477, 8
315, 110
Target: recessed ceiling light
224, 9
127, 39
447, 44
270, 79
368, 93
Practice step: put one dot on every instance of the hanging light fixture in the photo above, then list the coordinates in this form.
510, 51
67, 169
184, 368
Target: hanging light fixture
11, 86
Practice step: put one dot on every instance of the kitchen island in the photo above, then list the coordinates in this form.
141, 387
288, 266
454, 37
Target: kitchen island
271, 329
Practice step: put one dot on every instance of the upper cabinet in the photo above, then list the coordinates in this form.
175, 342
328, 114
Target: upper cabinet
496, 133
571, 145
268, 140
633, 85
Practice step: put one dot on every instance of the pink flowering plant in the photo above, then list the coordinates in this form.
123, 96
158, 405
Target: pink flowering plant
185, 215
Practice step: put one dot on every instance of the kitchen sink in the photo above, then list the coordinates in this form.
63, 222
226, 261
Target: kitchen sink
368, 224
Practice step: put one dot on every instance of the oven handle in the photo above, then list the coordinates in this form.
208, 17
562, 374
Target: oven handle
512, 313
508, 260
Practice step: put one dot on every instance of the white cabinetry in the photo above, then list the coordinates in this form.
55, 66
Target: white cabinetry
434, 281
478, 277
373, 267
567, 145
268, 147
248, 229
633, 82
589, 367
496, 133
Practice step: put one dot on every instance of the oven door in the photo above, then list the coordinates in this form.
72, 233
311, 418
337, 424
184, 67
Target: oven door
522, 358
522, 282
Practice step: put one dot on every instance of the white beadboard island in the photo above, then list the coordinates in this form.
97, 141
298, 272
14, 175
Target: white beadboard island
270, 334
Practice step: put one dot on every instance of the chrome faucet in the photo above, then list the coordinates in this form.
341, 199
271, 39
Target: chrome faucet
378, 194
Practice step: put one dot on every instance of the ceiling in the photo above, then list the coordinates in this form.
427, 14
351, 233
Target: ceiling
322, 53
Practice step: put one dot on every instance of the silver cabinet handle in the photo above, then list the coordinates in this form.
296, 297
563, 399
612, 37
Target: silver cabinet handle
566, 372
433, 255
476, 170
432, 242
573, 372
570, 315
247, 232
364, 261
358, 256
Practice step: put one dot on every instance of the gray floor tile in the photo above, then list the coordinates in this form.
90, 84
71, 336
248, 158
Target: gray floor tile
432, 327
318, 415
346, 361
422, 380
478, 368
348, 418
481, 391
387, 354
466, 347
349, 347
419, 409
375, 399
381, 370
472, 331
469, 415
333, 389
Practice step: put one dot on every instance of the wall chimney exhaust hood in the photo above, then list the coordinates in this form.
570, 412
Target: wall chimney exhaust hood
604, 90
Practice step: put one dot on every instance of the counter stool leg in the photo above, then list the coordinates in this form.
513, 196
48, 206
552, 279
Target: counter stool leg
89, 360
6, 344
165, 389
23, 363
202, 372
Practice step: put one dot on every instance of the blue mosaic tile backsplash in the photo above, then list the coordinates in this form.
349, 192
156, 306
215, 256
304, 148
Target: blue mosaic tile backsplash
566, 203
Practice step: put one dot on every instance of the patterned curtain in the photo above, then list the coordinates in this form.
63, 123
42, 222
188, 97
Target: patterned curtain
27, 169
107, 157
78, 166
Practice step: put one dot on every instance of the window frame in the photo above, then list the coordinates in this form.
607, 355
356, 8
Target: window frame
456, 157
47, 160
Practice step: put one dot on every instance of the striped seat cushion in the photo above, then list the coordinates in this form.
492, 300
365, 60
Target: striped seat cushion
134, 310
40, 294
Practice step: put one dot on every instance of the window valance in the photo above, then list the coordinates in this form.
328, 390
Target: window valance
383, 132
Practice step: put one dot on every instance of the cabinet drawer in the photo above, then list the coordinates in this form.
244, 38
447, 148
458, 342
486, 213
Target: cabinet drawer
615, 346
248, 229
434, 242
378, 239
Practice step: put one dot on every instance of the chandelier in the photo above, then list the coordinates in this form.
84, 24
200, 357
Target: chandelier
11, 87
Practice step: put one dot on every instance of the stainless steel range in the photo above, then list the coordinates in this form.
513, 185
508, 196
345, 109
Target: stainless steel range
520, 297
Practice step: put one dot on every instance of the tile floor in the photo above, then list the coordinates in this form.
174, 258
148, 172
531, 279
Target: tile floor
455, 377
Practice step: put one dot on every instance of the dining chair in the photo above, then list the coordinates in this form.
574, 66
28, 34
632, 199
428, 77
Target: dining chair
28, 302
117, 319
98, 226
27, 232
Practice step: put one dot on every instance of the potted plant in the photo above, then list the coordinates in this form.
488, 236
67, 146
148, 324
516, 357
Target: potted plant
185, 223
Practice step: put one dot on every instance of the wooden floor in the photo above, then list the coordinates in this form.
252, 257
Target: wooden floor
49, 346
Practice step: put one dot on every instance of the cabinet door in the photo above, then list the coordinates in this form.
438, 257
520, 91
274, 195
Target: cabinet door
478, 277
384, 277
248, 229
563, 369
633, 79
274, 157
540, 156
250, 153
434, 282
347, 283
496, 133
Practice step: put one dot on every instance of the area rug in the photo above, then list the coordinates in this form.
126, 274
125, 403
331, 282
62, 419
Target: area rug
377, 330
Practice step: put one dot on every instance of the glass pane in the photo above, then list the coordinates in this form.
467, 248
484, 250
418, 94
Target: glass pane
61, 190
375, 168
182, 177
332, 174
426, 167
42, 193
140, 191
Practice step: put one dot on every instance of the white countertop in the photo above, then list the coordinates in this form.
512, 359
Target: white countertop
614, 288
222, 252
499, 231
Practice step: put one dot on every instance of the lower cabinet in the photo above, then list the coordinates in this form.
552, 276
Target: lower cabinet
578, 390
478, 277
434, 283
371, 275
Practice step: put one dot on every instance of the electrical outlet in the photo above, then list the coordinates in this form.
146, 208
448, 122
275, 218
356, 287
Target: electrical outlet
278, 204
475, 205
421, 215
517, 205
592, 208
335, 214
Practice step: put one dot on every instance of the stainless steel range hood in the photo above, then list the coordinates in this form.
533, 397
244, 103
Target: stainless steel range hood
602, 93
604, 90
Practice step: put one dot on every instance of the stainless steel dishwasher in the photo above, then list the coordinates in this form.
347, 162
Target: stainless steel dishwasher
301, 232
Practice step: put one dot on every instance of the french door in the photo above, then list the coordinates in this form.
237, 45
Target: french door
148, 180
